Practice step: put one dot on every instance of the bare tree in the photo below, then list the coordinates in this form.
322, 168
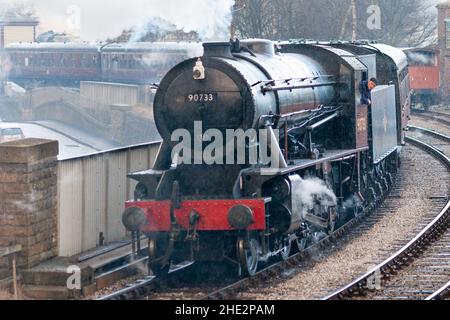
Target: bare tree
408, 22
403, 22
254, 18
354, 21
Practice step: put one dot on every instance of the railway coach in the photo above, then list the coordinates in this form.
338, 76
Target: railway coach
424, 76
69, 63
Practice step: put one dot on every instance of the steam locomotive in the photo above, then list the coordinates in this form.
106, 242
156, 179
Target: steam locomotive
330, 156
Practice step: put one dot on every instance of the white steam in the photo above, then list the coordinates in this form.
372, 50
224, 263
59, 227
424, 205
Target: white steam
352, 203
156, 26
315, 192
420, 58
166, 61
102, 19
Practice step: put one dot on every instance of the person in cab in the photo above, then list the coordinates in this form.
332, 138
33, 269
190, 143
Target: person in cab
366, 88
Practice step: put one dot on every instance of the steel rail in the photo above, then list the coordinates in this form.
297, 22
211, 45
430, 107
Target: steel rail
432, 133
143, 286
146, 285
435, 116
405, 255
441, 294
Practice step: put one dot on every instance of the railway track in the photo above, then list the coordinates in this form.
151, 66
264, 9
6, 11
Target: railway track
443, 118
145, 285
158, 288
232, 291
421, 269
295, 281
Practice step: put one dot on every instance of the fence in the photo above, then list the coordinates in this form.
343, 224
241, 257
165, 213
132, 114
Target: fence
92, 191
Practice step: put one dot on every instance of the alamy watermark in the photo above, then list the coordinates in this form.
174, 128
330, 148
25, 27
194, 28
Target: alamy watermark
374, 19
73, 22
74, 280
374, 281
235, 147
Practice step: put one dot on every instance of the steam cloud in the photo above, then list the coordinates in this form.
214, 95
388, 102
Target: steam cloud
421, 59
313, 191
352, 203
102, 19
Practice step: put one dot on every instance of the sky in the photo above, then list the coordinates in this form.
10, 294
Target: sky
99, 19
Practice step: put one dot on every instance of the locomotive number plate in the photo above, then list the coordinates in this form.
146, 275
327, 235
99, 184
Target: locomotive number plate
201, 97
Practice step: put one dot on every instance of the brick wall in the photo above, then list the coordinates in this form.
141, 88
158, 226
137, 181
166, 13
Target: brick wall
28, 199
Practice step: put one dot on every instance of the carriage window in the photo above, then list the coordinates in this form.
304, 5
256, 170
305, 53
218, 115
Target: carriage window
48, 60
124, 62
132, 63
115, 64
57, 60
68, 62
77, 60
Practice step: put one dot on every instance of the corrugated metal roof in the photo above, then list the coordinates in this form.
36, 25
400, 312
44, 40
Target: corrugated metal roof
11, 17
52, 45
154, 46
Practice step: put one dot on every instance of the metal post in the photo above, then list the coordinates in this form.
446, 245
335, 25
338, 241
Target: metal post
11, 253
14, 276
138, 236
2, 37
133, 243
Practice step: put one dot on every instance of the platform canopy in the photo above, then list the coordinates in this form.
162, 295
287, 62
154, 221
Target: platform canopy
10, 18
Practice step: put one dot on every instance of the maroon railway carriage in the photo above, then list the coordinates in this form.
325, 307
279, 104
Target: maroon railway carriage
144, 62
424, 76
50, 62
70, 63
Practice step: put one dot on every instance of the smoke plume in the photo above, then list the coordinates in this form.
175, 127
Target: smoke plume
315, 191
420, 58
352, 203
102, 19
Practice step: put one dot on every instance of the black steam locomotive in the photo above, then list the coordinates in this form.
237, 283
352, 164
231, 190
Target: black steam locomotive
329, 154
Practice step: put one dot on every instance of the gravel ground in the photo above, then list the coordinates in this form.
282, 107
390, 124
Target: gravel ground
7, 295
191, 284
182, 294
119, 285
346, 262
423, 277
441, 145
429, 124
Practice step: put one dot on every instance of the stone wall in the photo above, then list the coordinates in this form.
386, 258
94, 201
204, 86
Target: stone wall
28, 199
131, 129
10, 109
